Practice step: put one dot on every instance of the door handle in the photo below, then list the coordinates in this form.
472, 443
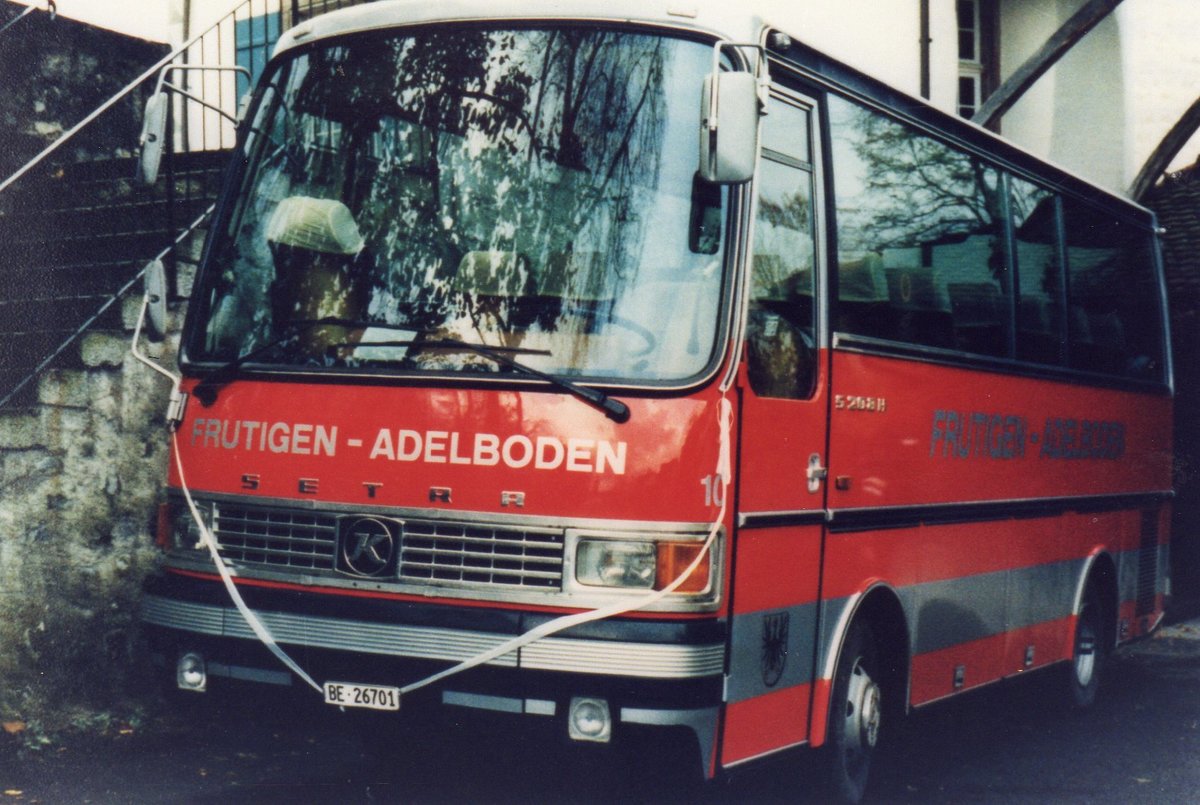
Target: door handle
815, 473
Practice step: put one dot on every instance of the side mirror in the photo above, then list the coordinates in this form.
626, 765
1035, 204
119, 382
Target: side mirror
729, 112
153, 139
158, 108
156, 297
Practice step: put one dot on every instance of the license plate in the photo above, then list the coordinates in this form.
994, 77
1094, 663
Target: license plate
374, 697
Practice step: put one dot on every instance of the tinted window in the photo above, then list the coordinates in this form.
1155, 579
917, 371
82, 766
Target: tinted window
921, 256
1041, 337
1113, 312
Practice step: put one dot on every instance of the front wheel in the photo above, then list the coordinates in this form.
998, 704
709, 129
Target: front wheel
856, 714
1088, 652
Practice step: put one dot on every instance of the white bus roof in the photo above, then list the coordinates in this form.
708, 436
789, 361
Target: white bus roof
725, 19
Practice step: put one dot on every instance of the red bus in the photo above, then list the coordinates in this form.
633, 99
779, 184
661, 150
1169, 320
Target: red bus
496, 395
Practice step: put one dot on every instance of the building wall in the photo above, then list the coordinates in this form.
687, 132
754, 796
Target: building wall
879, 37
1104, 108
1075, 115
145, 21
80, 476
1163, 63
1177, 203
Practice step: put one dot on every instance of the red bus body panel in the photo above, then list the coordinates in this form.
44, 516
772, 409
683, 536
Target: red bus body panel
389, 445
980, 499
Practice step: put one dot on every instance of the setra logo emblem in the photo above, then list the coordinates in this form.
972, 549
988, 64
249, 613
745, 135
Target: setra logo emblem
367, 546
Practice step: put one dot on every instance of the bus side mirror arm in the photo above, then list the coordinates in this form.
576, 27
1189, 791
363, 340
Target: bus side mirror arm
731, 104
158, 109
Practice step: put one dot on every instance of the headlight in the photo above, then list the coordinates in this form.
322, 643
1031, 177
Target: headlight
183, 535
644, 565
616, 563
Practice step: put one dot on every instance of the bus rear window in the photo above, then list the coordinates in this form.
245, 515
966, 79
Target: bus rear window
1114, 322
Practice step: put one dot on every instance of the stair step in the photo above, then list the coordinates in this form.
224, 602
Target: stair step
61, 202
126, 167
38, 227
90, 279
35, 257
26, 348
70, 238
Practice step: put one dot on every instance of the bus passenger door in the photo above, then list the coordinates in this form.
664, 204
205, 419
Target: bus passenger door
781, 491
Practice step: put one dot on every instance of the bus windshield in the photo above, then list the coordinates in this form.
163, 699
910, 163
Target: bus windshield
528, 190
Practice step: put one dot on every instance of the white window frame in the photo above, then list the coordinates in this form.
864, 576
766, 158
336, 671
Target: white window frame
970, 69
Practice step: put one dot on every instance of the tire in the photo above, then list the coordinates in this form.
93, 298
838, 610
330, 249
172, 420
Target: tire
1088, 652
856, 713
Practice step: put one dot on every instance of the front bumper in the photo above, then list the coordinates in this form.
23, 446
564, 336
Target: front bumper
662, 671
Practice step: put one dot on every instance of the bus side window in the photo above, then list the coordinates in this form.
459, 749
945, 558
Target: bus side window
1041, 323
779, 335
922, 257
1114, 322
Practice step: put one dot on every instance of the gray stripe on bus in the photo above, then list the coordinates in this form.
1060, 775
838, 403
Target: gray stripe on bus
942, 614
750, 638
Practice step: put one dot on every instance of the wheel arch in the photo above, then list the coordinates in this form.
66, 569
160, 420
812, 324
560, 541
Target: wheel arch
881, 607
1100, 571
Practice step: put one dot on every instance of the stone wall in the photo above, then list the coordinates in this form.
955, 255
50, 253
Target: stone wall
80, 479
55, 73
81, 471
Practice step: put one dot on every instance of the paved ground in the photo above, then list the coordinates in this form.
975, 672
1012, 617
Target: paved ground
1141, 743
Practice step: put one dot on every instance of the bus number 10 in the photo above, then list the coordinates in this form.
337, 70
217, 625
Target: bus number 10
714, 490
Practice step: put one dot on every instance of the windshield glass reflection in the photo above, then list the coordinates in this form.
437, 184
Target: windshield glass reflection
528, 190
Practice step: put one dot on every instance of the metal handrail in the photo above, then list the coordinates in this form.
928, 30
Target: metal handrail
51, 9
121, 95
108, 303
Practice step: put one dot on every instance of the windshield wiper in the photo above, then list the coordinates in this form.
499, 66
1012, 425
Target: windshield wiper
210, 385
615, 410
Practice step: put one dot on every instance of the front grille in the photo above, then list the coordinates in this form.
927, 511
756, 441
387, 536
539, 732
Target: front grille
430, 550
472, 554
276, 537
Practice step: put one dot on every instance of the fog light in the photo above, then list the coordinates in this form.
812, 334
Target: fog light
589, 720
190, 673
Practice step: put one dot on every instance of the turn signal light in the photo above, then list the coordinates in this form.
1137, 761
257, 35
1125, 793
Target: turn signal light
673, 560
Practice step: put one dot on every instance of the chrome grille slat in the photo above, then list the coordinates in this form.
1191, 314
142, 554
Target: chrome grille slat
255, 535
430, 551
445, 572
475, 555
297, 543
437, 553
498, 542
268, 551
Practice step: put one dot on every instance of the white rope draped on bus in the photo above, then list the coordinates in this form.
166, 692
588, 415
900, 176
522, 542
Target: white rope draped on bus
725, 415
208, 539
